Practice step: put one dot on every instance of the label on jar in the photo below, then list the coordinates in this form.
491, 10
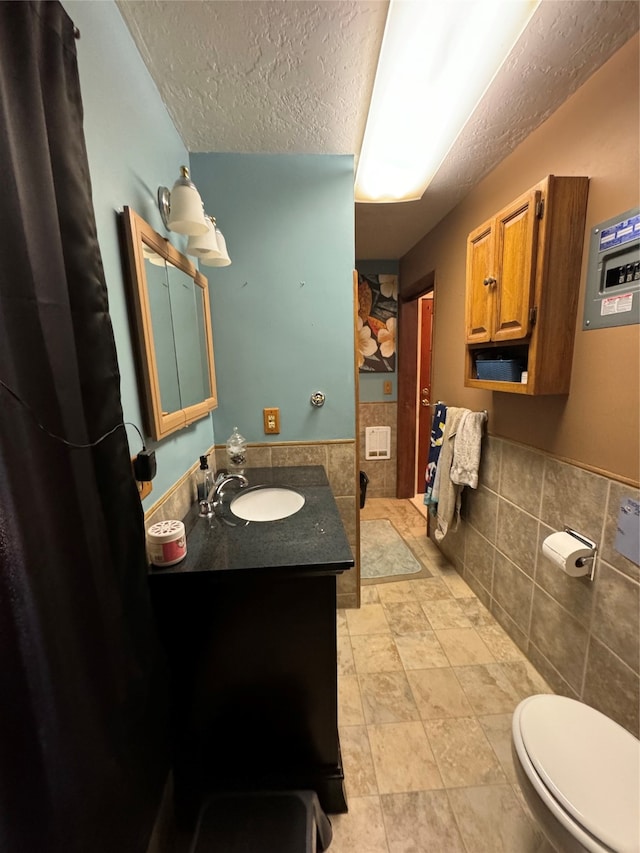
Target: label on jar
167, 553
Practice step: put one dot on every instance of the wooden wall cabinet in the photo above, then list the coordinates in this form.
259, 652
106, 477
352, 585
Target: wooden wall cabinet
522, 283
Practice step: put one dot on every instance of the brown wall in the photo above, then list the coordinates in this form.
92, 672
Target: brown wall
595, 133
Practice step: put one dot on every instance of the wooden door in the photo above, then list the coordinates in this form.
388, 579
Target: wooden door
516, 236
425, 409
479, 292
356, 473
408, 380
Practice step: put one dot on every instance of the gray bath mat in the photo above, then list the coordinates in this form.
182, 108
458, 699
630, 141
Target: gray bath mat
383, 552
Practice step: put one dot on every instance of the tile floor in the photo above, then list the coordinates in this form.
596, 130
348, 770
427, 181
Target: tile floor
427, 683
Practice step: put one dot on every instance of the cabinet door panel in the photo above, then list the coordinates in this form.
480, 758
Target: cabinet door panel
479, 296
516, 244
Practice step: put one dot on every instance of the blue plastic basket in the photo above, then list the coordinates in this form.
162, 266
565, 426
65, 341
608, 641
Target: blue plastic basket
500, 369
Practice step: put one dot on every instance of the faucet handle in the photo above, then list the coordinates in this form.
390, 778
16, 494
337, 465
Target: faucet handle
206, 509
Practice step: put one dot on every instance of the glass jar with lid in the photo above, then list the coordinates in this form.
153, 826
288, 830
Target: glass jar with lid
236, 450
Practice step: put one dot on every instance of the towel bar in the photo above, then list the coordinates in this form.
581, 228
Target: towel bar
440, 403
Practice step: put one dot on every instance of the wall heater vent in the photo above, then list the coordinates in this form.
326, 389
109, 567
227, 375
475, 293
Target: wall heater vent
378, 442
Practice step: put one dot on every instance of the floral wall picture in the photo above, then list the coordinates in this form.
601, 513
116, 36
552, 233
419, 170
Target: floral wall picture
377, 319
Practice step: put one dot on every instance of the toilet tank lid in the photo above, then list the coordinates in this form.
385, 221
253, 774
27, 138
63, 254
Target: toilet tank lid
589, 763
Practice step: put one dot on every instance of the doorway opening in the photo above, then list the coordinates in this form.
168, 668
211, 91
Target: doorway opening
424, 402
415, 322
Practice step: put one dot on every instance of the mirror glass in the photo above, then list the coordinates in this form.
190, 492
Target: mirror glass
184, 295
172, 324
160, 307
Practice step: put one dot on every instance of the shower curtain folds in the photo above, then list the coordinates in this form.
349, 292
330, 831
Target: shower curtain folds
82, 705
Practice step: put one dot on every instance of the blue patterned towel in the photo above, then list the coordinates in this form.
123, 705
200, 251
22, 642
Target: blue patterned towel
437, 430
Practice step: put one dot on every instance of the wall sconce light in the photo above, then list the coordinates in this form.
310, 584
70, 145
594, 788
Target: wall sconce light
210, 248
181, 209
217, 260
201, 245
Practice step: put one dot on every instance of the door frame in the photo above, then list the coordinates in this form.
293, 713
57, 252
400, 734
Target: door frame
356, 374
408, 381
424, 413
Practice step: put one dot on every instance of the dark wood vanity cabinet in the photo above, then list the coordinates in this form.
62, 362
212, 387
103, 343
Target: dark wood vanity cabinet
253, 683
248, 622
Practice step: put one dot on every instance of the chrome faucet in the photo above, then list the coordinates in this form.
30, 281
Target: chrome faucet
215, 493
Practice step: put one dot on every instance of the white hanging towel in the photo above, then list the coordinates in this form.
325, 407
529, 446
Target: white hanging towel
466, 451
448, 493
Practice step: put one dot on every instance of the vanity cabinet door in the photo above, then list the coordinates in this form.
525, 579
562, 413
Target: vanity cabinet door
501, 270
253, 673
516, 237
480, 295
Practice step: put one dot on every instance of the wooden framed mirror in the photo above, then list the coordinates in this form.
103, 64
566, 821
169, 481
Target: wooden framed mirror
171, 317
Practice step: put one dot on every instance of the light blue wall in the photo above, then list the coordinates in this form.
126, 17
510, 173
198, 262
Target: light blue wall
283, 311
133, 147
287, 219
371, 384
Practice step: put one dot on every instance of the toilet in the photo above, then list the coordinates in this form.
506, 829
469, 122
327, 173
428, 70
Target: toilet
579, 772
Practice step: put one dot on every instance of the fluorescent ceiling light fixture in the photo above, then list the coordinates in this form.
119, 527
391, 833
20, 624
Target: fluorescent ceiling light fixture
436, 61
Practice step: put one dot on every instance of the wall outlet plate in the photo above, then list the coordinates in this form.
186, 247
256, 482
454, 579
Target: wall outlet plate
386, 386
271, 419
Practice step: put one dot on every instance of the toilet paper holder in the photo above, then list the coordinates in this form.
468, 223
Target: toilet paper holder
590, 560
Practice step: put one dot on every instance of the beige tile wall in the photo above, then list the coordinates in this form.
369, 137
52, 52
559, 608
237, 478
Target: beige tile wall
381, 472
582, 636
174, 503
339, 461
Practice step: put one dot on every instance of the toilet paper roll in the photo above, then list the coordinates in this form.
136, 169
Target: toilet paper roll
567, 552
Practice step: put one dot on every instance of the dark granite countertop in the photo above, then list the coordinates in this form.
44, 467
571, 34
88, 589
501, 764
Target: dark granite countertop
313, 539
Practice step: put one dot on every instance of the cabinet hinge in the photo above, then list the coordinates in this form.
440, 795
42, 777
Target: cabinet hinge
533, 315
540, 209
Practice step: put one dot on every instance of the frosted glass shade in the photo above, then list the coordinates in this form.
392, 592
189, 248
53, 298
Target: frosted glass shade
204, 244
186, 214
223, 259
152, 256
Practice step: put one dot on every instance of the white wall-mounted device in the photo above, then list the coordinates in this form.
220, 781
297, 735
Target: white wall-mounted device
378, 442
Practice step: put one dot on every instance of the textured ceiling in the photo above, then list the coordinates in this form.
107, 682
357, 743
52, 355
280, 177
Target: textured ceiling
268, 76
295, 76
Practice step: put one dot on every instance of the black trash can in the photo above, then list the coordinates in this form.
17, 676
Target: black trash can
364, 482
262, 822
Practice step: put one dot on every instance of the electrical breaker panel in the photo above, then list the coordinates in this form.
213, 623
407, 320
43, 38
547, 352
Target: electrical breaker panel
613, 279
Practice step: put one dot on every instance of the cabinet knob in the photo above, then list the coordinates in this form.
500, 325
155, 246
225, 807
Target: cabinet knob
489, 280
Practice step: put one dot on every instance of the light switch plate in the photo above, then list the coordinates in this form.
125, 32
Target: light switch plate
387, 386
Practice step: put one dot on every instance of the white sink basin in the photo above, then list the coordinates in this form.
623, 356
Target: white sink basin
266, 503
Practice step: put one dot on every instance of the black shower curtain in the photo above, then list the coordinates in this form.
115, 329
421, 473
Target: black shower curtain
82, 753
